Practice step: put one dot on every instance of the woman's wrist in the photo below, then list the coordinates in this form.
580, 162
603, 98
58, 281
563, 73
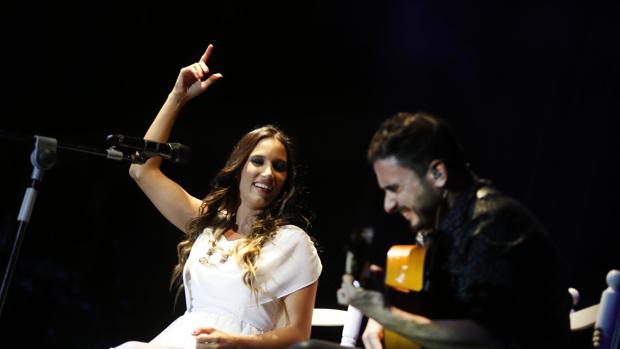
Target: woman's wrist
176, 99
239, 341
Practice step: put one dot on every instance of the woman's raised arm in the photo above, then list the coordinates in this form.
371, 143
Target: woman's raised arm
170, 198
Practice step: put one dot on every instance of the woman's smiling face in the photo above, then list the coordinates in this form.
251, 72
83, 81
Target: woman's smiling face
264, 174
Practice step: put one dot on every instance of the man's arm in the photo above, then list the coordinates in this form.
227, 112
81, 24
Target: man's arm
426, 332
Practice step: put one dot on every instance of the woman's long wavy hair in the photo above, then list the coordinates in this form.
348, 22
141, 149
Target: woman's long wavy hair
219, 208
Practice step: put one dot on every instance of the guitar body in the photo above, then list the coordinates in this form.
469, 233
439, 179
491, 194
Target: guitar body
404, 278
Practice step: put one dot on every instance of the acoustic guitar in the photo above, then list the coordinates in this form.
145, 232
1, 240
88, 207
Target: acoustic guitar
404, 277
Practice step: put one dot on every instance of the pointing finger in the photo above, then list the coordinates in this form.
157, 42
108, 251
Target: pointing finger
207, 54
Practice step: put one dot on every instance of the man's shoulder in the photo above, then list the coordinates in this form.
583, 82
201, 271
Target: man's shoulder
498, 212
492, 202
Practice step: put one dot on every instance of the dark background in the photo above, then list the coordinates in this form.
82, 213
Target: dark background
530, 87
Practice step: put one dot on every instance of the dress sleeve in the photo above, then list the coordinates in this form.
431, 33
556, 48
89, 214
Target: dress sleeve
288, 263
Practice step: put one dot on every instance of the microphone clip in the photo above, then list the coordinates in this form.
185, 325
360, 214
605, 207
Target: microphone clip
124, 148
138, 150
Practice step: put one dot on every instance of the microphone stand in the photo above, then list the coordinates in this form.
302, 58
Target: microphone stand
43, 158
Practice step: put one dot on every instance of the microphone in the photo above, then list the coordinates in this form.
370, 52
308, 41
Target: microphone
356, 252
144, 149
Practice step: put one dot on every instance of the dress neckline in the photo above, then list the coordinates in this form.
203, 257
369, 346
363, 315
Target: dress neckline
231, 232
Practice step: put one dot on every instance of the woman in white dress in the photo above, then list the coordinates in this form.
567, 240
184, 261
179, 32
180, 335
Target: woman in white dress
249, 274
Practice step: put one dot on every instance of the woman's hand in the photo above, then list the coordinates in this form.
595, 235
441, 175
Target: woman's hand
209, 337
191, 81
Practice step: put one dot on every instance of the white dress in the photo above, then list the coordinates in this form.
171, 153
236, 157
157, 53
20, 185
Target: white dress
217, 297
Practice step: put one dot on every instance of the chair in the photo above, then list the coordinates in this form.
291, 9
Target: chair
603, 317
350, 320
607, 326
584, 318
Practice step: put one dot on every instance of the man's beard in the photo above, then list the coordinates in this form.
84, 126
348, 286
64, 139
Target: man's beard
421, 225
428, 214
425, 229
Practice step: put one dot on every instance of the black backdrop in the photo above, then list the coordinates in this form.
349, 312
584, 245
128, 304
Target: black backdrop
530, 87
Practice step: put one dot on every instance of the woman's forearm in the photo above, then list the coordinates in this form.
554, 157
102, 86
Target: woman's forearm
164, 121
159, 131
278, 338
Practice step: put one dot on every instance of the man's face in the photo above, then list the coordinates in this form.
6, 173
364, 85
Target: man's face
414, 197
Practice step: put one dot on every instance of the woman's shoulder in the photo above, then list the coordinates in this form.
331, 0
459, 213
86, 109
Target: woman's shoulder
207, 232
290, 229
292, 234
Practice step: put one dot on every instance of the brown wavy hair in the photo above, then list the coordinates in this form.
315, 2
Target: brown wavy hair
219, 207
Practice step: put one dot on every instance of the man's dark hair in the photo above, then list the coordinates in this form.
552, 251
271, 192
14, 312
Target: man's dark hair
417, 139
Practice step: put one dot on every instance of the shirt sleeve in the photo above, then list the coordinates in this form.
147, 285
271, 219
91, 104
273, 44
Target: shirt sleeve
288, 263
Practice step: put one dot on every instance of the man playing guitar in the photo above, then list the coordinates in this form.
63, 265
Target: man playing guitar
490, 277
